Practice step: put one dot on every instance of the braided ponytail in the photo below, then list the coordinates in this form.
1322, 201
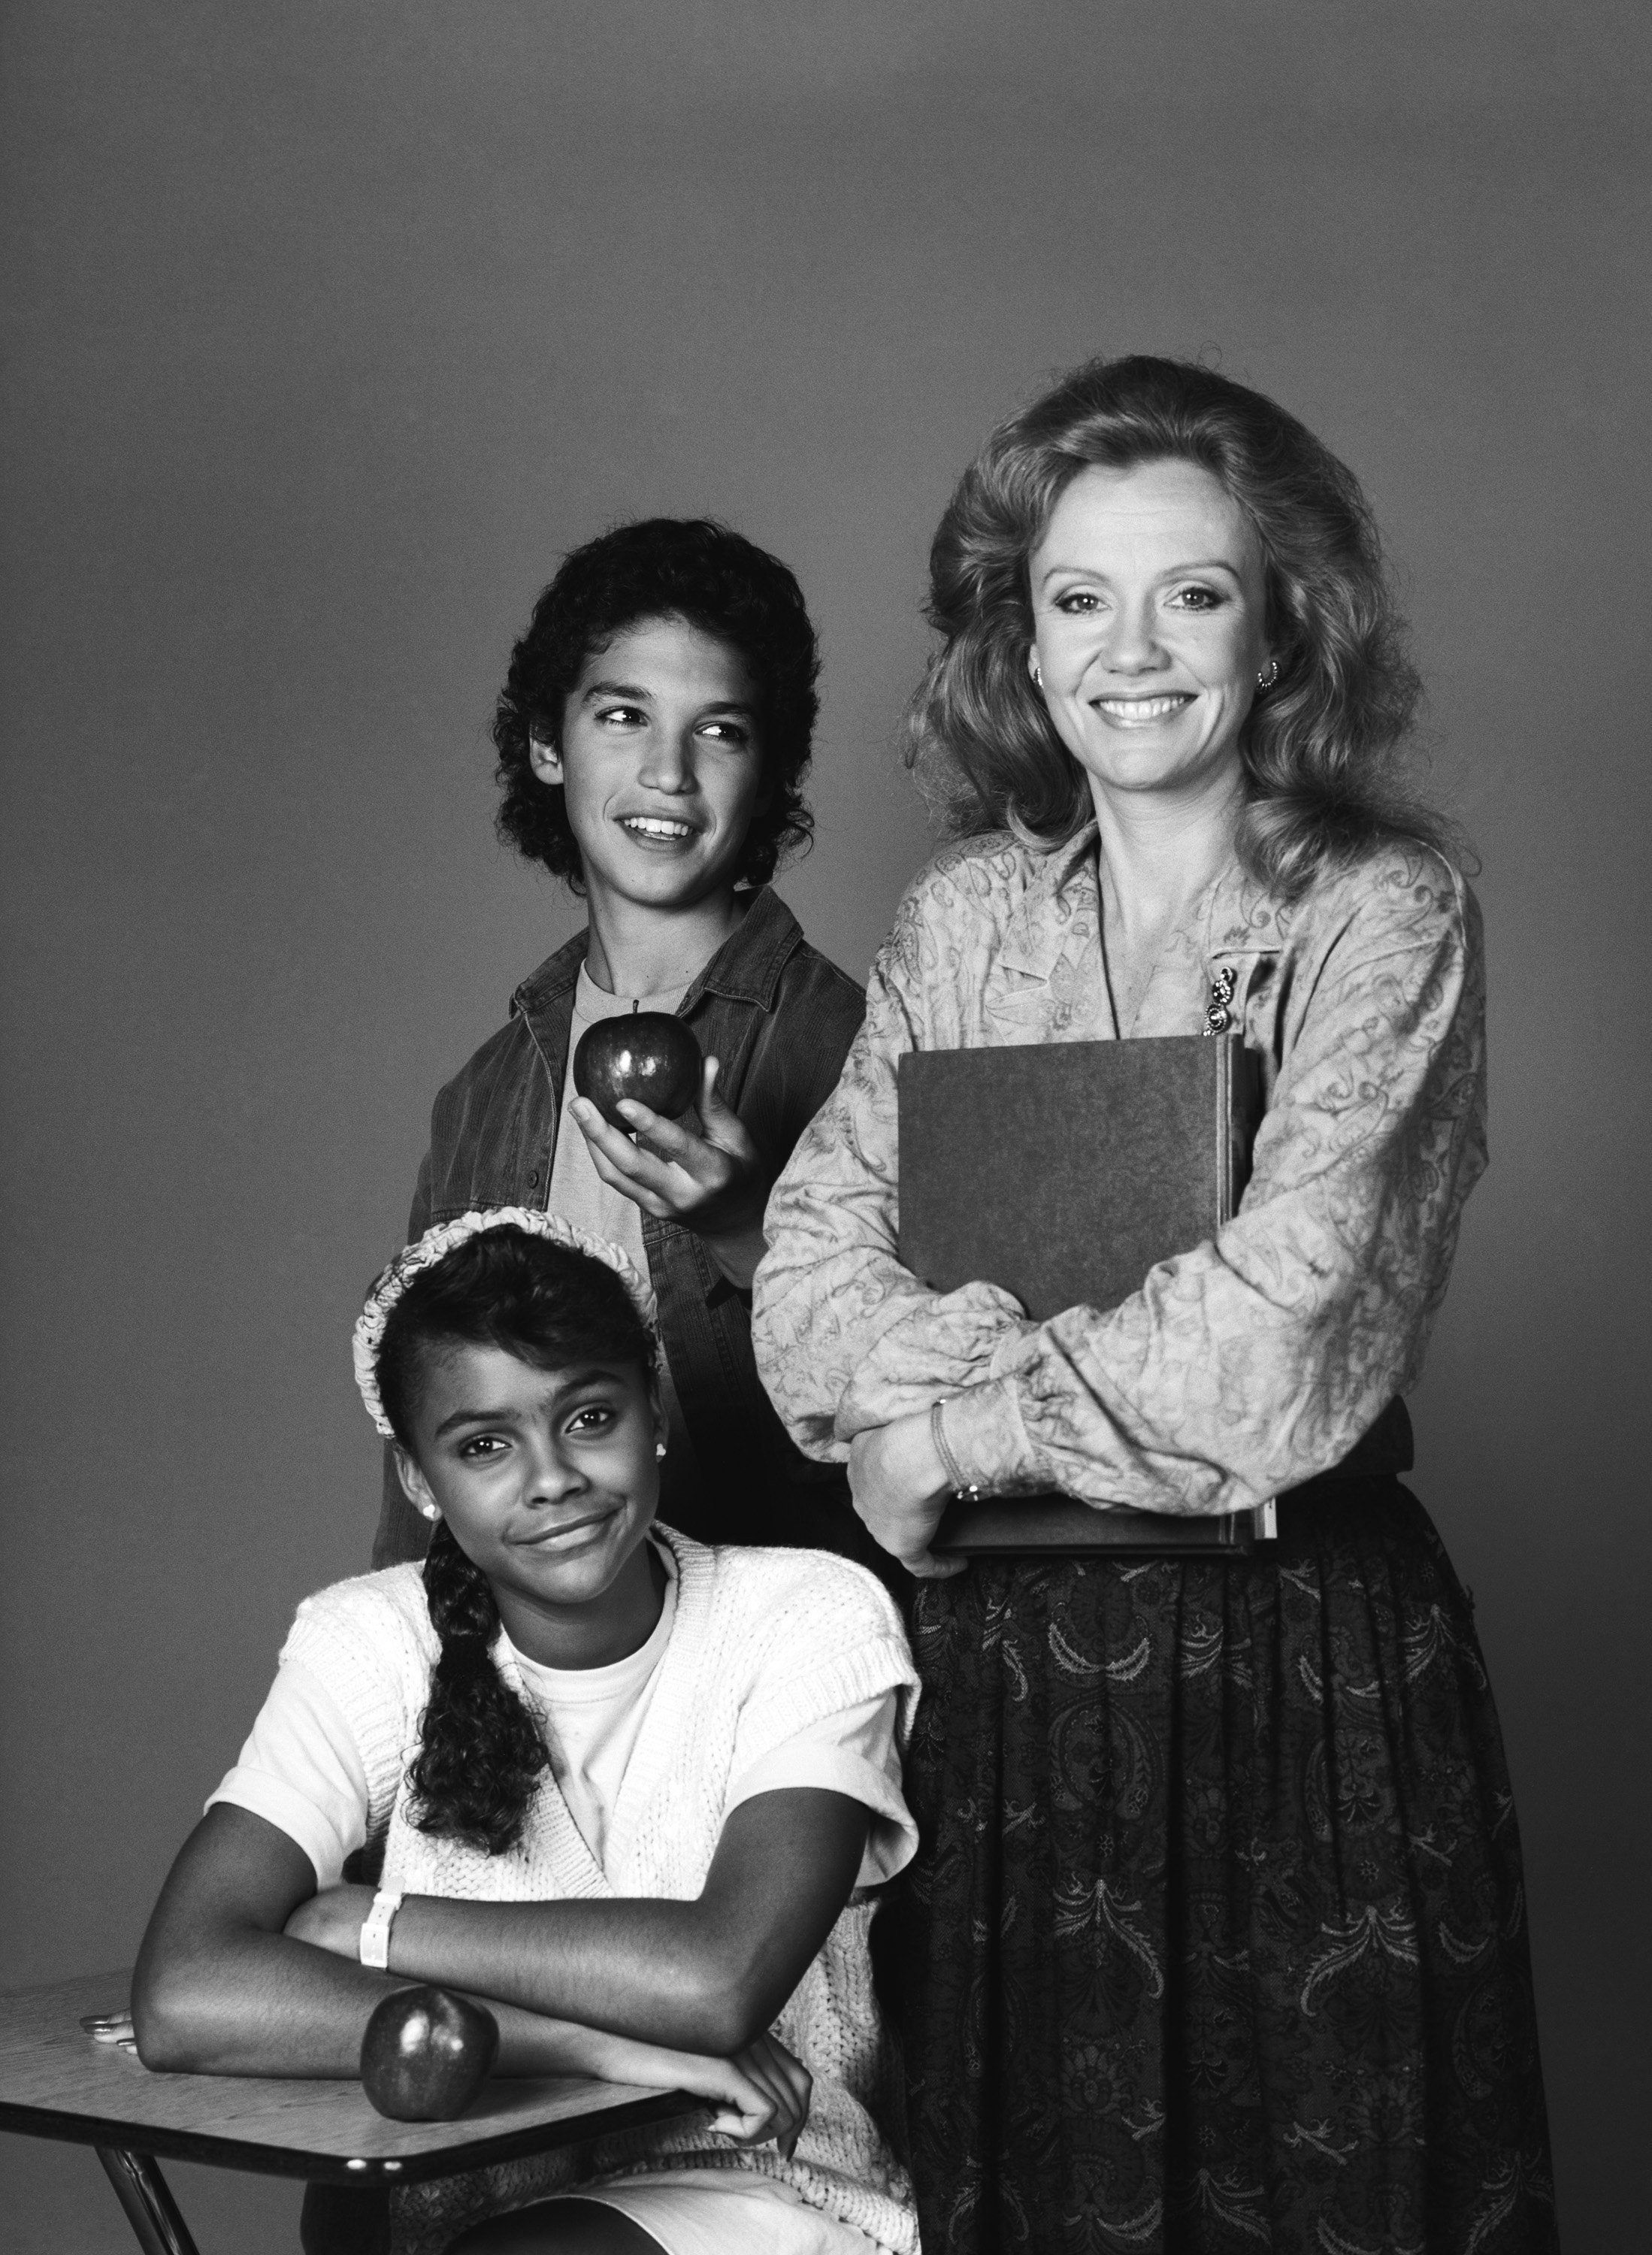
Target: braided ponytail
481, 1753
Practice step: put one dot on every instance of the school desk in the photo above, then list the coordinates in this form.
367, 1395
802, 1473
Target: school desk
56, 2082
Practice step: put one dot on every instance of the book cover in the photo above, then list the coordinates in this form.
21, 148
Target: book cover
1065, 1171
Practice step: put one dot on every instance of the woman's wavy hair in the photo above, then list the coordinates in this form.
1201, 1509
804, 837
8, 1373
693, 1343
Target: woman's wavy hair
686, 568
1323, 750
481, 1752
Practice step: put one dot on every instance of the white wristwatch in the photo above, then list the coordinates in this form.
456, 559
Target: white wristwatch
374, 1946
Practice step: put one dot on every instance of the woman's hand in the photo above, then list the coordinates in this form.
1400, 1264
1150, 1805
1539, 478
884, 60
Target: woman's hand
902, 1489
703, 1171
331, 1921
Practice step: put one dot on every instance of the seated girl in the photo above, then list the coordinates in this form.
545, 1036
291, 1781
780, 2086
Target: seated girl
633, 1791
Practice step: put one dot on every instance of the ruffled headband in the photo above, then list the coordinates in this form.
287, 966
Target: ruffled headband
437, 1243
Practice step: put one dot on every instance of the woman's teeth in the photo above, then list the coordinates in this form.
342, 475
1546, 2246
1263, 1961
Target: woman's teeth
653, 825
1143, 708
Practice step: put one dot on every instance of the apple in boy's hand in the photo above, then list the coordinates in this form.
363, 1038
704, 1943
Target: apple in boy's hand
651, 1057
426, 2053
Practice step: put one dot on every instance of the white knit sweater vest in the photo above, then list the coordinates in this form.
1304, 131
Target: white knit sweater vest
765, 1643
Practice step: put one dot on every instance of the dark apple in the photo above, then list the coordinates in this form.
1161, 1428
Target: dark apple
647, 1057
426, 2053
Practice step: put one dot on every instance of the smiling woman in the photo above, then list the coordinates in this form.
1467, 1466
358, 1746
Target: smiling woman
1149, 618
1217, 1936
1149, 625
1322, 748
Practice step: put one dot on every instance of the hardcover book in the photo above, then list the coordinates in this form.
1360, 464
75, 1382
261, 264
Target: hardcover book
1063, 1172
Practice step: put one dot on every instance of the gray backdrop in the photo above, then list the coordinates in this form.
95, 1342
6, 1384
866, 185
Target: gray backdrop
329, 327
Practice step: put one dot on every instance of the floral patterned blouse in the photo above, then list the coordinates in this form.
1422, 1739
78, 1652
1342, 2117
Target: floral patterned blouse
1243, 1367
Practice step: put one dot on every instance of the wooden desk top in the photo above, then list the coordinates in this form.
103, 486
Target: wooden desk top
55, 2082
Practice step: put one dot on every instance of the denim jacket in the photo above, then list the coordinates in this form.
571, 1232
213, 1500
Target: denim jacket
780, 1018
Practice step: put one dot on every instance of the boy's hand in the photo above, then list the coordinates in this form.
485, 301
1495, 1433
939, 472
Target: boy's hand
704, 1171
331, 1921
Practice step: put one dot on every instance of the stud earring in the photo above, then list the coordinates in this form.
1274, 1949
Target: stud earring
1266, 679
428, 1511
660, 1448
1037, 675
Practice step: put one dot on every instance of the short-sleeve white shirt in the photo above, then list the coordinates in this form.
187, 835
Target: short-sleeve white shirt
302, 1770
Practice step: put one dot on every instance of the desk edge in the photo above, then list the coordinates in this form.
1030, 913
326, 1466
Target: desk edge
215, 2151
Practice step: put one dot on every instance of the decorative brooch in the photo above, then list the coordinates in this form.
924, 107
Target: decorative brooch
1219, 1017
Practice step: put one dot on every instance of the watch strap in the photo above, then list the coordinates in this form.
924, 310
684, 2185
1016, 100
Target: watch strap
374, 1946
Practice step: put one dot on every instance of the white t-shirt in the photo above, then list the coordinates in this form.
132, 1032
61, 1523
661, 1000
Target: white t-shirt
301, 1769
579, 1193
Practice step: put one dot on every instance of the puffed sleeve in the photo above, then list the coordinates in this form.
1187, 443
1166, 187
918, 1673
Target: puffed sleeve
348, 1639
301, 1770
845, 1337
1242, 1367
1258, 1360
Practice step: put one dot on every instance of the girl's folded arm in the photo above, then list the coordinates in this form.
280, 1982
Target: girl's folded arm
220, 1989
707, 1975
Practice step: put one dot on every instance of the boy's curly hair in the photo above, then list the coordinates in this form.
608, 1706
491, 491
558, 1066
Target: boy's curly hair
686, 568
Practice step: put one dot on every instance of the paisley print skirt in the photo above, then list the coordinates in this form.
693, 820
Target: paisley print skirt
1217, 1939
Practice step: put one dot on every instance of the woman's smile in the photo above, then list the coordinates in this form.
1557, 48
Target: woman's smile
1141, 712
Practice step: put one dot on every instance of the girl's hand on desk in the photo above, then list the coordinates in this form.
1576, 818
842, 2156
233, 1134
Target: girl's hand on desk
331, 1921
704, 1171
902, 1489
111, 2028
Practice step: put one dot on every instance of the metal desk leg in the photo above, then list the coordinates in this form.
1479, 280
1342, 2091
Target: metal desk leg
145, 2196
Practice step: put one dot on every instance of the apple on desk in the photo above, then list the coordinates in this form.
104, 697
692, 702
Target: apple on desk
426, 2053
